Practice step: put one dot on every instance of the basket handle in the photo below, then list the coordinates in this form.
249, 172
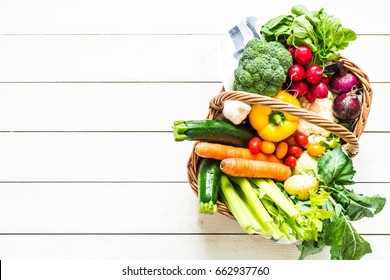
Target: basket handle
352, 142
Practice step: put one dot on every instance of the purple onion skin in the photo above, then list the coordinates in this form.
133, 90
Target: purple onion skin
343, 83
347, 106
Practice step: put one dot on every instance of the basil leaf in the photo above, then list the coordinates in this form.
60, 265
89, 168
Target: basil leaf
335, 166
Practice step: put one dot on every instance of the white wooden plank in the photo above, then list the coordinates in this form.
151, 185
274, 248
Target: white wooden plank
171, 16
113, 58
124, 106
141, 58
102, 107
133, 157
130, 208
164, 247
92, 156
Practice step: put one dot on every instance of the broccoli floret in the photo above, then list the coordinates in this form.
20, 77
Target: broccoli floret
262, 68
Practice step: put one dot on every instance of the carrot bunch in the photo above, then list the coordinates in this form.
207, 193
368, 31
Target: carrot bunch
241, 162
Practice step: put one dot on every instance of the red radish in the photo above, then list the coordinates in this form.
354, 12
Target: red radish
303, 55
343, 81
299, 88
291, 49
310, 97
319, 90
314, 74
296, 73
325, 80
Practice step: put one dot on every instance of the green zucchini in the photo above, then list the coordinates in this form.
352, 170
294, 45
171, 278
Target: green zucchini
209, 181
216, 131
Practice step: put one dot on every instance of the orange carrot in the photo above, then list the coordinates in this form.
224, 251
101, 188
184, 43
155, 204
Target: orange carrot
220, 152
240, 167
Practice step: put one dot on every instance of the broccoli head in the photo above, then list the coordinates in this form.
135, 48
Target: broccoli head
262, 68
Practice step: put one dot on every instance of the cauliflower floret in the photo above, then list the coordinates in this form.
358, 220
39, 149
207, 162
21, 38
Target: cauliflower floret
322, 107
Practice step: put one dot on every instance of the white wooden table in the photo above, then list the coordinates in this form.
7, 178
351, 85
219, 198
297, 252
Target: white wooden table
88, 93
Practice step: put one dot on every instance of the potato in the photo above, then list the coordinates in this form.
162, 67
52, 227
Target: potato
301, 185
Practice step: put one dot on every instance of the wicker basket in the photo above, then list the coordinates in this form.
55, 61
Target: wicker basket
351, 138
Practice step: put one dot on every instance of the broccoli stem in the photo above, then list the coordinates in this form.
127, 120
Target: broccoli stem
179, 129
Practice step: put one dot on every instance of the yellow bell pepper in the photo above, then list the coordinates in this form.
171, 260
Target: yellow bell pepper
273, 125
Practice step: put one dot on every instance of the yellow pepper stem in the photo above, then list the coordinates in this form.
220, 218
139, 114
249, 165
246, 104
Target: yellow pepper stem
276, 118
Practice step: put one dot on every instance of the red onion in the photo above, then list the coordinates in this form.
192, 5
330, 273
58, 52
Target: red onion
347, 106
343, 81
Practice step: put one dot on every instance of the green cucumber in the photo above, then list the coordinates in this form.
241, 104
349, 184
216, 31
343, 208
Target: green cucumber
209, 181
216, 131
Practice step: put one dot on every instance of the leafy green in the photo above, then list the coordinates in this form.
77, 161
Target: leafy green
336, 167
321, 32
331, 142
358, 206
278, 29
311, 247
344, 241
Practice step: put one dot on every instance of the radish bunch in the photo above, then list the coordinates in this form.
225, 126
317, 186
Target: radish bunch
306, 80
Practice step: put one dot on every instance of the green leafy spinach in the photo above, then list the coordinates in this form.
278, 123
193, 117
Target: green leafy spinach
321, 32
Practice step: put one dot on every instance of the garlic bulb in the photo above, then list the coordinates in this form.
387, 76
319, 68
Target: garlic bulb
235, 111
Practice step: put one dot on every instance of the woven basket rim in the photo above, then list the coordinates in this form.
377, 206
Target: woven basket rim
215, 107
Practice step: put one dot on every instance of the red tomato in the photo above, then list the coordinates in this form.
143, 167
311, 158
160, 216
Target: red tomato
294, 150
290, 161
254, 145
301, 139
290, 140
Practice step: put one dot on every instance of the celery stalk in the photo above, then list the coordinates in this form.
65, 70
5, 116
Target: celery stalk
256, 207
255, 223
235, 205
272, 190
